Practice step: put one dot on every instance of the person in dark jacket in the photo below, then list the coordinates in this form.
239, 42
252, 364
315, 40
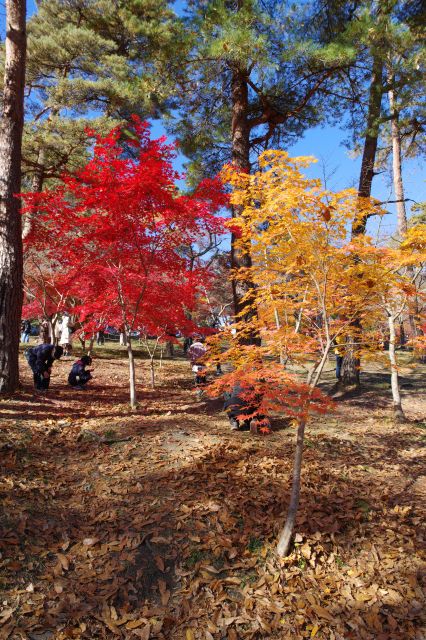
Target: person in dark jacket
78, 376
41, 359
238, 402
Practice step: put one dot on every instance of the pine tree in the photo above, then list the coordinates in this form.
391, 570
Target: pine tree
94, 62
246, 82
381, 36
12, 120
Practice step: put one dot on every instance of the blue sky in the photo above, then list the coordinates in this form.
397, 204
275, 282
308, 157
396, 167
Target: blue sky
325, 143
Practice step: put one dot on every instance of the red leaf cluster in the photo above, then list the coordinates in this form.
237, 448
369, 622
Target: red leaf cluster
117, 230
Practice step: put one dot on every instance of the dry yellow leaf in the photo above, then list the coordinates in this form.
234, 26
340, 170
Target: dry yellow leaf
134, 624
189, 634
306, 551
314, 631
64, 561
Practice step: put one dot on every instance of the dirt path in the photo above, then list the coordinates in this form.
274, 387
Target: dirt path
170, 534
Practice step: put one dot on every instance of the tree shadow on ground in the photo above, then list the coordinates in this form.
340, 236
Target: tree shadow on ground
232, 497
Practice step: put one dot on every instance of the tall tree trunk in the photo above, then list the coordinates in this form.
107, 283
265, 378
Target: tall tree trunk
398, 187
370, 141
241, 160
396, 396
350, 375
12, 121
241, 258
397, 164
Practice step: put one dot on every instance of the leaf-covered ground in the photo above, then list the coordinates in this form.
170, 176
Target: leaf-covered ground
171, 533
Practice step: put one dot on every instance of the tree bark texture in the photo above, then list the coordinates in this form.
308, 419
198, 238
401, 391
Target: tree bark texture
351, 365
241, 160
351, 362
370, 141
240, 258
398, 185
287, 531
12, 120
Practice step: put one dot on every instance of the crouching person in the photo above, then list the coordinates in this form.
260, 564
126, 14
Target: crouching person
243, 401
41, 359
78, 376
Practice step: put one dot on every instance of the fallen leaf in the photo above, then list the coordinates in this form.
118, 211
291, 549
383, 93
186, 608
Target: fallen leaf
306, 551
5, 615
323, 613
134, 624
58, 587
64, 561
89, 542
144, 633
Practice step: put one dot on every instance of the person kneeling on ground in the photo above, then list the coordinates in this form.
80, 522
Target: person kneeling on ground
40, 359
78, 376
242, 401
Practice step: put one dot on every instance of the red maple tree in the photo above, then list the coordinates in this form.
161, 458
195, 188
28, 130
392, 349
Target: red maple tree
118, 229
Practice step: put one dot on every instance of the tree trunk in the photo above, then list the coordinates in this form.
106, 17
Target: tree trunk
241, 258
397, 164
91, 343
132, 375
170, 351
396, 396
398, 187
152, 372
12, 120
287, 532
36, 186
351, 362
370, 141
351, 365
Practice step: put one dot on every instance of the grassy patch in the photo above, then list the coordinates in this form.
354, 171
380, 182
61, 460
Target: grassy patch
255, 544
363, 505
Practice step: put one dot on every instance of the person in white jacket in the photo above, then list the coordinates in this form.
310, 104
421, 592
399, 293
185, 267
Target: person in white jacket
65, 340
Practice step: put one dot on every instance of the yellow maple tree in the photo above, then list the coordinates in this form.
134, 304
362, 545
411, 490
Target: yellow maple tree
308, 282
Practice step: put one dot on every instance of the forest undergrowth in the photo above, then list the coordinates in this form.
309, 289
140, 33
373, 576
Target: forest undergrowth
161, 522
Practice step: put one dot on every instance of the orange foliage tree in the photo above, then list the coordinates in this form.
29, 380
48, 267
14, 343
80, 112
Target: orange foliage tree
309, 283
